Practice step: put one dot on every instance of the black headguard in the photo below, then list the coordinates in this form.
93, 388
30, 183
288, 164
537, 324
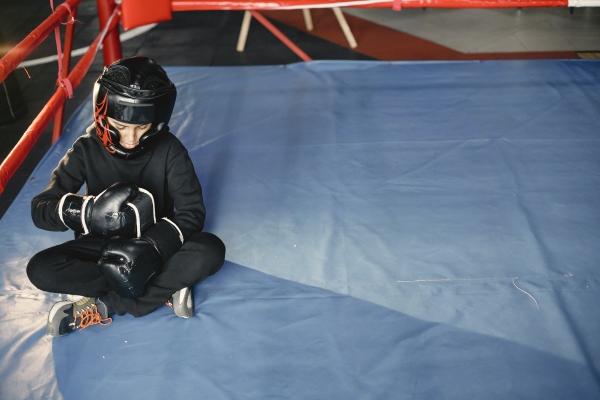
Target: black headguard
133, 90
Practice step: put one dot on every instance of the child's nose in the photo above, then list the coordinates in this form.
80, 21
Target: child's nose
128, 135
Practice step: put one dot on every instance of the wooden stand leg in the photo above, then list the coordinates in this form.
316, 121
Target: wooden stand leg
307, 19
241, 44
345, 27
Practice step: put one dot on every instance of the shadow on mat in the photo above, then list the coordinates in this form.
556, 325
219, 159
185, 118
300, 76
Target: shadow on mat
255, 336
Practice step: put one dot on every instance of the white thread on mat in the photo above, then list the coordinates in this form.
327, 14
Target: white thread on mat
532, 298
454, 280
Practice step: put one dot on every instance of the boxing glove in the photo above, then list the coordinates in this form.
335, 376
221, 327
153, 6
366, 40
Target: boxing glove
123, 209
71, 210
129, 263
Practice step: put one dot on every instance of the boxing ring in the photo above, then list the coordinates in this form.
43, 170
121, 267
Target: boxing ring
394, 230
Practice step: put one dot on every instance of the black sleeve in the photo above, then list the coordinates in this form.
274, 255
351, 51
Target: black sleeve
67, 177
184, 187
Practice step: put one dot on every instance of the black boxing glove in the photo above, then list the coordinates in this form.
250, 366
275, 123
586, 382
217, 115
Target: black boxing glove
123, 209
129, 263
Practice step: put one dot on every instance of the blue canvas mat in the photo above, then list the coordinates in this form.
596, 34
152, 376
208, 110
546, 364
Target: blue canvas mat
394, 231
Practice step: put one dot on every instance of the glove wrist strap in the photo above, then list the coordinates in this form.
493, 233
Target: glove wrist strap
166, 237
69, 211
86, 214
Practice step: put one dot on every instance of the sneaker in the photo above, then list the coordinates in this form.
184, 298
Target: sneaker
66, 316
182, 302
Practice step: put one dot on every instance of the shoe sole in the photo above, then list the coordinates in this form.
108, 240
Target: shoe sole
186, 311
56, 308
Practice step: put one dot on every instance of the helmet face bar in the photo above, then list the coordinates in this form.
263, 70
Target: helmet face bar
133, 90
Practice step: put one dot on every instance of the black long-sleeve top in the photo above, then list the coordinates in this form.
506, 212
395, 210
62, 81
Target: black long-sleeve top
166, 171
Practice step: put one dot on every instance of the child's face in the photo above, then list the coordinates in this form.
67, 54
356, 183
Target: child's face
130, 134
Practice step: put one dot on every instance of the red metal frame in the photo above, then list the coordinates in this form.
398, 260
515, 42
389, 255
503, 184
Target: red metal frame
66, 64
111, 49
108, 16
17, 54
198, 5
279, 35
253, 6
18, 154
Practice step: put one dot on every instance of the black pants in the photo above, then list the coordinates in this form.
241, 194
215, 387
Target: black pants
71, 268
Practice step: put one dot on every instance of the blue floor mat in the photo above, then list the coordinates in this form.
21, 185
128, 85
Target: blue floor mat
413, 230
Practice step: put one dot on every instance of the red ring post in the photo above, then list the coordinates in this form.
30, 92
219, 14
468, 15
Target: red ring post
18, 154
13, 58
66, 64
111, 49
